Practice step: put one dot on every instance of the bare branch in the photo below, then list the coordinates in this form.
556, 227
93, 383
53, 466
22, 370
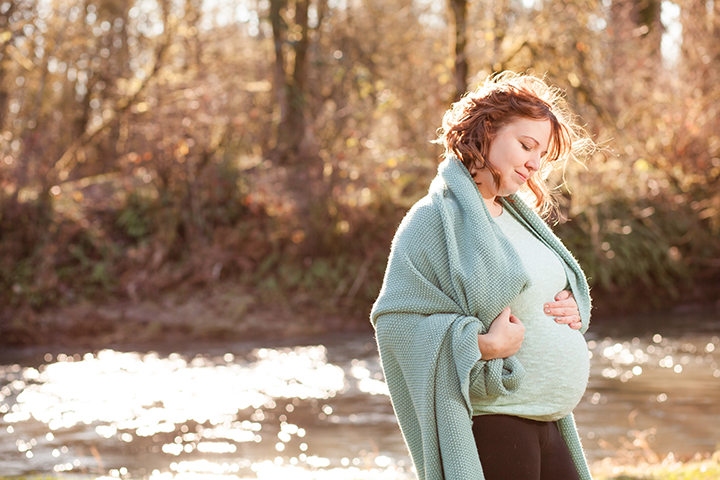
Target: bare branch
67, 161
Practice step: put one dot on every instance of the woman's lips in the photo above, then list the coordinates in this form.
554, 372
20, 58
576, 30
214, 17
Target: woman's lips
522, 177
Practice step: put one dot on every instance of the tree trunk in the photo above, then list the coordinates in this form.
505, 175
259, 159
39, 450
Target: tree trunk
636, 25
290, 77
700, 51
458, 43
635, 33
279, 29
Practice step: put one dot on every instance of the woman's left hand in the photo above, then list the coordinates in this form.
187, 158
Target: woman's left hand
564, 309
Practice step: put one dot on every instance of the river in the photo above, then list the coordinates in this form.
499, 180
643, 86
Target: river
317, 408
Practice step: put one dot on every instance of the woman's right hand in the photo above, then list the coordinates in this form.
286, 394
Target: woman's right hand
503, 338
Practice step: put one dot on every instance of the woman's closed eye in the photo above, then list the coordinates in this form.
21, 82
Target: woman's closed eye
525, 147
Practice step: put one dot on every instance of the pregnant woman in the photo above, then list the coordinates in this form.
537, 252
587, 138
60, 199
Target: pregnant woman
481, 316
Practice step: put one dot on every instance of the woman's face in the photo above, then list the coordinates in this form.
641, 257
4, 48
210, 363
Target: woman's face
515, 152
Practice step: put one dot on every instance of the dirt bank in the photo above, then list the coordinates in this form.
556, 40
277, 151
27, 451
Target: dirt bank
224, 312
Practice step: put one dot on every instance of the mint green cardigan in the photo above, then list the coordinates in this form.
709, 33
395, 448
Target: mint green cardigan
452, 271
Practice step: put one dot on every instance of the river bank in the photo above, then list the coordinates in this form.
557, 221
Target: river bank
224, 311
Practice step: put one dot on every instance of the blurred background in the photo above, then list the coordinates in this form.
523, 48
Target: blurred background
176, 173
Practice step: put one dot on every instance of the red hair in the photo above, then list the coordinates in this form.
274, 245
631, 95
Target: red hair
472, 123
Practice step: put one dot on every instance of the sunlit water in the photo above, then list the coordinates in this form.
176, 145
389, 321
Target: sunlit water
319, 410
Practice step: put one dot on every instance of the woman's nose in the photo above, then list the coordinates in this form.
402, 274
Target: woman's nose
534, 163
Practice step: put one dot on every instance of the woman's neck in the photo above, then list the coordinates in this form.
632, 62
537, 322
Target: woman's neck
493, 206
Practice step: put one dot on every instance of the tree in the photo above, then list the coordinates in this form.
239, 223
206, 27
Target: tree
291, 37
457, 12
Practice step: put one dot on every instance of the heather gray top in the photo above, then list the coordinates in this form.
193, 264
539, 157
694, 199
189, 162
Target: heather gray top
555, 356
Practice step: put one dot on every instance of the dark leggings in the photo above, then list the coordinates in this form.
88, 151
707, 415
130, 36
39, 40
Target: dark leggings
514, 448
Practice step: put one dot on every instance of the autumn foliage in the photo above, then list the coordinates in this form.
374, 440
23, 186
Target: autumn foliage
147, 145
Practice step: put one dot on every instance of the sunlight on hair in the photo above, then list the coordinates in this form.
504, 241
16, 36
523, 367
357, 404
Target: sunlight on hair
469, 126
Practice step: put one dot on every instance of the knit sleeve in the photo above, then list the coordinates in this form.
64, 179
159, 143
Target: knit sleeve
495, 377
418, 290
569, 432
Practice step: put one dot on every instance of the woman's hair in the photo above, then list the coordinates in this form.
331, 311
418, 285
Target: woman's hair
472, 123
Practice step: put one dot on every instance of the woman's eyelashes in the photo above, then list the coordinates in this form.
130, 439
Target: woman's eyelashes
528, 148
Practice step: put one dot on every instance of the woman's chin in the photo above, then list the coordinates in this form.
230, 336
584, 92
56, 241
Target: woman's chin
510, 190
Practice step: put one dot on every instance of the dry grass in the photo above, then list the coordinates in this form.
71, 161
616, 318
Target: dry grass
698, 468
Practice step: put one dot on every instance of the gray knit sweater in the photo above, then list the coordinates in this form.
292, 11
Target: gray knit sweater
452, 271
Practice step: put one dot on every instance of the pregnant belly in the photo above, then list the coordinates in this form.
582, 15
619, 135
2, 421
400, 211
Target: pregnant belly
556, 363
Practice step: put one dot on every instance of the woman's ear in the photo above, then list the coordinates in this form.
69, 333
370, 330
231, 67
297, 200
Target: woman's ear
472, 169
475, 165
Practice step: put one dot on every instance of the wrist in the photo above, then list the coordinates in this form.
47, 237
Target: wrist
486, 344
